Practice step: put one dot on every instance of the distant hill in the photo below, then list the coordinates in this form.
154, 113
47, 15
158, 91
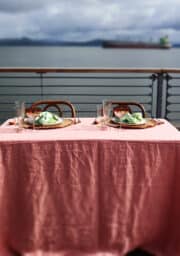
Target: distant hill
32, 42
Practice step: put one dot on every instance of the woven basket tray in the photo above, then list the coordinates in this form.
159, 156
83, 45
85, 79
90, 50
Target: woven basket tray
149, 123
65, 123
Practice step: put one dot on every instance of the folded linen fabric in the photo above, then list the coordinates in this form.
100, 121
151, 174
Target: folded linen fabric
47, 118
135, 118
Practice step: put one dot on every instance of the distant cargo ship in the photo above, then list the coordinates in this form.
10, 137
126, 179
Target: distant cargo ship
163, 44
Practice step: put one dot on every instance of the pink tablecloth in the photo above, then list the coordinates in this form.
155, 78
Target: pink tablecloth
81, 189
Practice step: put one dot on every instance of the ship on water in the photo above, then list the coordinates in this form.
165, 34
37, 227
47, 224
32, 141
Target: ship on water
162, 44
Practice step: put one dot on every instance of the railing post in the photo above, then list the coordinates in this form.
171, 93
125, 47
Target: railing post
167, 78
153, 77
160, 78
41, 83
41, 79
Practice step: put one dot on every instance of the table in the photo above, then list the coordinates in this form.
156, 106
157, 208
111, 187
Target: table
84, 190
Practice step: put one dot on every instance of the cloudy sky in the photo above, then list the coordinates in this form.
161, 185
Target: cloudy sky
83, 20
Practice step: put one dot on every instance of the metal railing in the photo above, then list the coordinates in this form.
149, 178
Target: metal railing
157, 89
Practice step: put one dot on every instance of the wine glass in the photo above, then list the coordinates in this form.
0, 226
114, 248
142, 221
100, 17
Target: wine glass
100, 120
107, 105
20, 113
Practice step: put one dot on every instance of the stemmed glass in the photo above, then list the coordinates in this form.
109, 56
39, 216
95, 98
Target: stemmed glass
107, 105
77, 119
100, 117
20, 112
103, 114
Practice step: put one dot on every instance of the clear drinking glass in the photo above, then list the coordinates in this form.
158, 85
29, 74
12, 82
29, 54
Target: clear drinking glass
107, 105
100, 117
99, 111
19, 113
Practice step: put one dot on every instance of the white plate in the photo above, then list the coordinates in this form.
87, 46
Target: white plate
29, 120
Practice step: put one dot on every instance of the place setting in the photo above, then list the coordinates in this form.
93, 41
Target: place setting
120, 115
38, 117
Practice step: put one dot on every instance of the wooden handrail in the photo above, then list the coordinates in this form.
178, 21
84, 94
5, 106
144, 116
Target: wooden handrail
86, 70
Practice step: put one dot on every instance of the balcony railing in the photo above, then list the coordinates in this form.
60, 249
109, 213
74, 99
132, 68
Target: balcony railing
157, 89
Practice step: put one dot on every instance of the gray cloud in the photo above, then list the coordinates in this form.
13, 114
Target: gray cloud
18, 6
88, 19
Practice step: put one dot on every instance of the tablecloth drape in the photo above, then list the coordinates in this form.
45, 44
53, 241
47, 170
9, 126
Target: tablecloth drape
95, 194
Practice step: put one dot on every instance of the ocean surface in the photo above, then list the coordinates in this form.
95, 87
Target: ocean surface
50, 56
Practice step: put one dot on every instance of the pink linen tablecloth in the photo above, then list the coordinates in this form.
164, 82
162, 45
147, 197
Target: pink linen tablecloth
86, 131
81, 190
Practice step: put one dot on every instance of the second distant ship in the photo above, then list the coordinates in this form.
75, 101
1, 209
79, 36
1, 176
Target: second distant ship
163, 44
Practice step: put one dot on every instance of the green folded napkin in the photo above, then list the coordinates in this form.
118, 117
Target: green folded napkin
47, 118
135, 118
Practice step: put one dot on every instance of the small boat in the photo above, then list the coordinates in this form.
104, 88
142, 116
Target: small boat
163, 44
